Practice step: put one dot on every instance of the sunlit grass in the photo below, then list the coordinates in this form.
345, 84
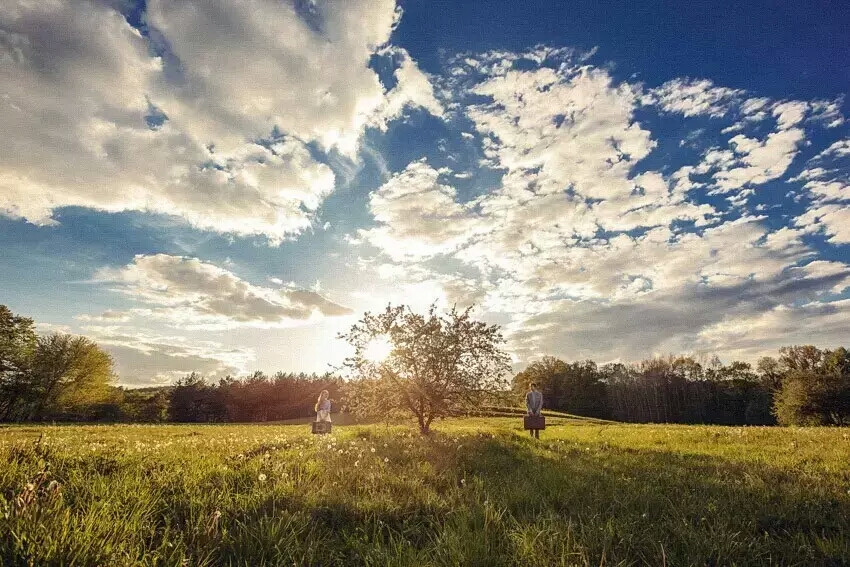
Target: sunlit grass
478, 492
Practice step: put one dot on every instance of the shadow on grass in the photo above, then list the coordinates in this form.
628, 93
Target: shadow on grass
513, 501
489, 499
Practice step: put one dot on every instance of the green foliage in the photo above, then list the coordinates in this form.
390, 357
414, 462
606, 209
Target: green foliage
475, 492
55, 376
149, 405
438, 365
816, 387
17, 347
68, 373
17, 341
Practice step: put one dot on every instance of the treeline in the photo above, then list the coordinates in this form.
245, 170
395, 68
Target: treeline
61, 377
193, 399
255, 398
804, 385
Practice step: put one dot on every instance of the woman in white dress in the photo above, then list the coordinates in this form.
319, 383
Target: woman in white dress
323, 407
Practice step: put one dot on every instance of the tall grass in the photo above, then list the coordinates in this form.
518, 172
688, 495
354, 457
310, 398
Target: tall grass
478, 492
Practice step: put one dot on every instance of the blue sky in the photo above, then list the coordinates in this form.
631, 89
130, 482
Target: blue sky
224, 187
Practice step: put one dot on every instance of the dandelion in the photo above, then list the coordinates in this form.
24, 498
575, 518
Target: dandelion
373, 449
386, 459
262, 477
463, 481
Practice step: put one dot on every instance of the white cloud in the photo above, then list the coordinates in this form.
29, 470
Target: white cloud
754, 162
413, 88
790, 113
418, 216
838, 149
694, 97
579, 249
185, 292
74, 107
827, 180
832, 219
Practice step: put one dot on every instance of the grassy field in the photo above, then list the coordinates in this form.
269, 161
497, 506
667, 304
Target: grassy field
478, 492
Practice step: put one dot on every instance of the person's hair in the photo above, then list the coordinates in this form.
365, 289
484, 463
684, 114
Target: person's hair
534, 384
323, 395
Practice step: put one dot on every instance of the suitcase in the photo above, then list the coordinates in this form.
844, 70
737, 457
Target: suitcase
321, 427
534, 422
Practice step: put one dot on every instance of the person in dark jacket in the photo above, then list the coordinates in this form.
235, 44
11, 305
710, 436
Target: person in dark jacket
534, 405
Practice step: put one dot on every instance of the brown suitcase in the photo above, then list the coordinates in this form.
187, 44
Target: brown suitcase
321, 427
534, 422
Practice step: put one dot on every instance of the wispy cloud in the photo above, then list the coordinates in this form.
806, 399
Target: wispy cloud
188, 293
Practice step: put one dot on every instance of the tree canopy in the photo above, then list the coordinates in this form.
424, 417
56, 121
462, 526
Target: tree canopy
436, 365
53, 375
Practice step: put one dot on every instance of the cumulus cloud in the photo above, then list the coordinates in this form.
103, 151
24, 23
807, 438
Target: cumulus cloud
412, 88
188, 293
582, 250
207, 117
418, 216
754, 162
827, 181
694, 97
832, 219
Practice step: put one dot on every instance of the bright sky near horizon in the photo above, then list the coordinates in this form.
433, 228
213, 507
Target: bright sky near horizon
223, 186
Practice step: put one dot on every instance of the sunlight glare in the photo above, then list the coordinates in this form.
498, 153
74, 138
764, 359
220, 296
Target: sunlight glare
377, 350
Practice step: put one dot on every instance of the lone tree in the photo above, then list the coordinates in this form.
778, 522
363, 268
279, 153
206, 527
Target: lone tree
816, 387
429, 365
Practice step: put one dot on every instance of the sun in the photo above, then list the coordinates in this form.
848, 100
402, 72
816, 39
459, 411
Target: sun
377, 350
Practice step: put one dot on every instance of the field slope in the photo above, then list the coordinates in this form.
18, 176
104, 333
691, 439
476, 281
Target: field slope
478, 492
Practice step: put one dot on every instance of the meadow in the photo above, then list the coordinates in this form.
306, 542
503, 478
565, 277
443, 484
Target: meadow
478, 491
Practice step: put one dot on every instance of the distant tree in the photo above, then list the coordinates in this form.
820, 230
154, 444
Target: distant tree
770, 373
737, 370
544, 373
804, 358
153, 408
437, 365
192, 400
367, 399
571, 387
816, 389
68, 373
17, 347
